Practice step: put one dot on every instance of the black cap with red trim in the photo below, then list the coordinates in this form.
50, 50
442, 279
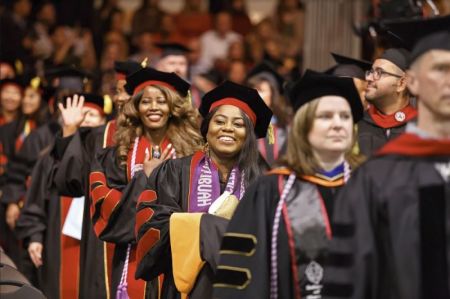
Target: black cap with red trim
314, 85
149, 76
245, 98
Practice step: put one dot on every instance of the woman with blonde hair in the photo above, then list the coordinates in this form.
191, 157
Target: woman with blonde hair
158, 123
277, 241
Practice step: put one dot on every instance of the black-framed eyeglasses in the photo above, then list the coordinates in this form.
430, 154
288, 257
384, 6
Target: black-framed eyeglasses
377, 73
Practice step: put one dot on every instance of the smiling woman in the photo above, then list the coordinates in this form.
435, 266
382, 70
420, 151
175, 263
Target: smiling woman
183, 213
157, 124
276, 244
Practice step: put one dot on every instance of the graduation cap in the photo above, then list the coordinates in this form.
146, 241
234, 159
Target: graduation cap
126, 68
264, 70
245, 98
69, 76
420, 35
92, 100
398, 56
149, 76
349, 67
172, 49
15, 64
314, 85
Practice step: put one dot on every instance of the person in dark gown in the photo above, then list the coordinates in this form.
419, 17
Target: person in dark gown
158, 123
183, 212
50, 224
270, 86
276, 245
394, 211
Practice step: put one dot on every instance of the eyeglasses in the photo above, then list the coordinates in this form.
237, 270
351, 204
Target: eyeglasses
377, 73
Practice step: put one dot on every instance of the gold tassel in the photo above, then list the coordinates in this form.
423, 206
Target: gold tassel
35, 82
107, 104
355, 149
189, 97
18, 66
144, 62
270, 134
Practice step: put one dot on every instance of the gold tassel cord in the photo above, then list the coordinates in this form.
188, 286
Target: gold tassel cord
271, 134
144, 62
107, 104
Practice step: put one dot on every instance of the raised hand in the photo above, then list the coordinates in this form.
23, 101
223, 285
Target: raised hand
72, 115
151, 164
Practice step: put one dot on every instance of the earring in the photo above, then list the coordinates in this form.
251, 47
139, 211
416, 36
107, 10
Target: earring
206, 148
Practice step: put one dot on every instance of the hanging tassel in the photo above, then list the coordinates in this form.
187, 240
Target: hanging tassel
144, 62
355, 149
189, 97
35, 82
18, 65
270, 134
107, 104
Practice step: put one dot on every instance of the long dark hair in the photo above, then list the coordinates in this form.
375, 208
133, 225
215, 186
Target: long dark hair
248, 156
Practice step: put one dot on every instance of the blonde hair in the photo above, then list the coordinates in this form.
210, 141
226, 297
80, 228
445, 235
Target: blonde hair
183, 129
299, 155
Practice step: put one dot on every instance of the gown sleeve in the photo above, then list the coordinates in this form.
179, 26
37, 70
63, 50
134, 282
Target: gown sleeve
31, 224
351, 265
154, 209
243, 270
113, 199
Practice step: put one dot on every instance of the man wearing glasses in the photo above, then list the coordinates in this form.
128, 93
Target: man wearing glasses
388, 98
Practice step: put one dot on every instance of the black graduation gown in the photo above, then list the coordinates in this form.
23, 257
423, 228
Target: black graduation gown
41, 221
21, 165
372, 137
271, 152
244, 269
394, 220
167, 197
113, 210
9, 146
74, 155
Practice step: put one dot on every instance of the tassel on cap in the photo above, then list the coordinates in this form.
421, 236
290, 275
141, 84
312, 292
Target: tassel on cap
144, 62
355, 149
35, 82
107, 105
270, 134
189, 97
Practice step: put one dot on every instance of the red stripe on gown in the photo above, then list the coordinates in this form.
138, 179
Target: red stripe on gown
69, 272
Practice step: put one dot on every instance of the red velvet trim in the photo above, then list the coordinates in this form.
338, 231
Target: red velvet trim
95, 106
409, 144
194, 162
111, 201
110, 130
135, 287
99, 194
150, 83
146, 196
146, 243
120, 76
99, 226
237, 103
97, 177
142, 217
389, 121
69, 273
291, 244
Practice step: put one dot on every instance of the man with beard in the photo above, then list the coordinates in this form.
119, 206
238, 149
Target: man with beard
389, 106
391, 230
